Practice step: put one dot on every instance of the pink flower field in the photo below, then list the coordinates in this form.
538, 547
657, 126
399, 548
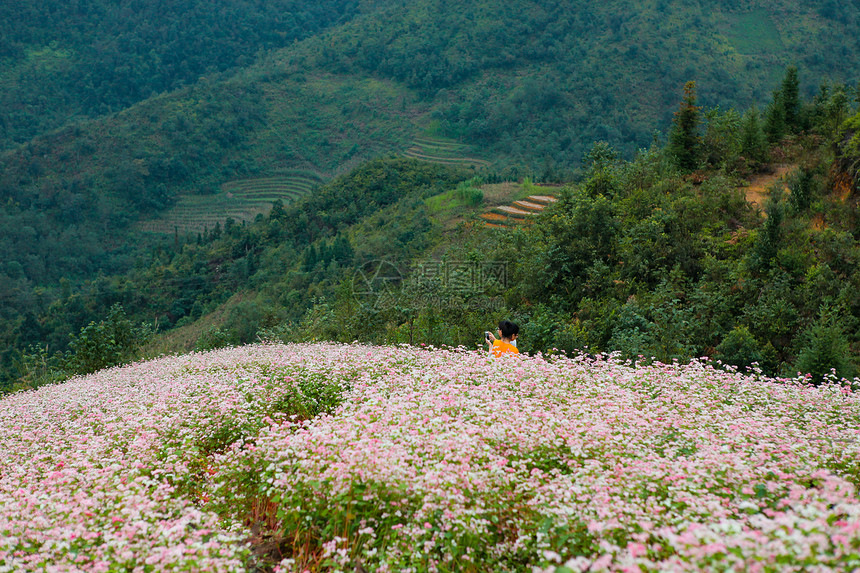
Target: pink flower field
355, 458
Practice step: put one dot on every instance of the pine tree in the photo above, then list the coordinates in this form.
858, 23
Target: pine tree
791, 99
325, 253
685, 143
770, 235
342, 250
311, 258
774, 120
753, 144
826, 349
802, 188
836, 110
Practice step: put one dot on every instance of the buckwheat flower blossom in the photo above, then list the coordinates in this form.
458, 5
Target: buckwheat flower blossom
397, 458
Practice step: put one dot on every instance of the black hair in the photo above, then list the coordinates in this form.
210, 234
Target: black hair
508, 328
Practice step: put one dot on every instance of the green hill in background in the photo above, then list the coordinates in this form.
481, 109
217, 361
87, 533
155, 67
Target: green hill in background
134, 126
503, 75
60, 61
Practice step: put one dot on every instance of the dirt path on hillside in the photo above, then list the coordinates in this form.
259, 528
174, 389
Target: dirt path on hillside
759, 186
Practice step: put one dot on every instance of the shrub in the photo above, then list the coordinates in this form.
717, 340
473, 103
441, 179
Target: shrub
739, 348
469, 191
825, 351
214, 338
109, 342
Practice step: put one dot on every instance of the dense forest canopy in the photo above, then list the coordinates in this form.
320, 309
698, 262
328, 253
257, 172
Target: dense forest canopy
116, 115
61, 60
493, 71
658, 258
537, 81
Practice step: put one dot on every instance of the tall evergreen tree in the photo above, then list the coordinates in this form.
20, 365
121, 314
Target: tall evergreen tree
802, 187
311, 258
753, 145
342, 250
837, 109
790, 92
685, 143
774, 119
826, 350
770, 235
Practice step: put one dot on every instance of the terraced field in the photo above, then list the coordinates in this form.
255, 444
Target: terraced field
241, 199
519, 211
444, 151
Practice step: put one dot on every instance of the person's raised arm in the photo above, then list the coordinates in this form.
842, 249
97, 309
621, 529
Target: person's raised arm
489, 339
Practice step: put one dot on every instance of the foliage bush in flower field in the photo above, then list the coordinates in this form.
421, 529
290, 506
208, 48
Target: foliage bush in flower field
350, 457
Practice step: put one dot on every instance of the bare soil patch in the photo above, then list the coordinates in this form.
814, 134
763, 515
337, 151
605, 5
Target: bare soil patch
494, 217
760, 186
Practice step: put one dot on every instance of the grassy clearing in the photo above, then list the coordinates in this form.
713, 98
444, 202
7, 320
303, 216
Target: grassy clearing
500, 205
446, 203
452, 206
753, 33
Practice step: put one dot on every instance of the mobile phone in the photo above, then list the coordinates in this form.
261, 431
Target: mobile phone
487, 335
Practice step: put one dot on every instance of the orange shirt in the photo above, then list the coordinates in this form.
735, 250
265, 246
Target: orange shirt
500, 348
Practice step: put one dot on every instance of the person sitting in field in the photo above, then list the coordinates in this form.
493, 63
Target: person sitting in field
506, 343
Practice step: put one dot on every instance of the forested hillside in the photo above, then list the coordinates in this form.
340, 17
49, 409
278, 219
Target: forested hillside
565, 73
60, 61
662, 257
539, 81
116, 124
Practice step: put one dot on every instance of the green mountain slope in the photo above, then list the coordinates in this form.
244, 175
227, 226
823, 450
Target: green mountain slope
643, 258
561, 72
524, 83
97, 178
60, 60
514, 88
536, 81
